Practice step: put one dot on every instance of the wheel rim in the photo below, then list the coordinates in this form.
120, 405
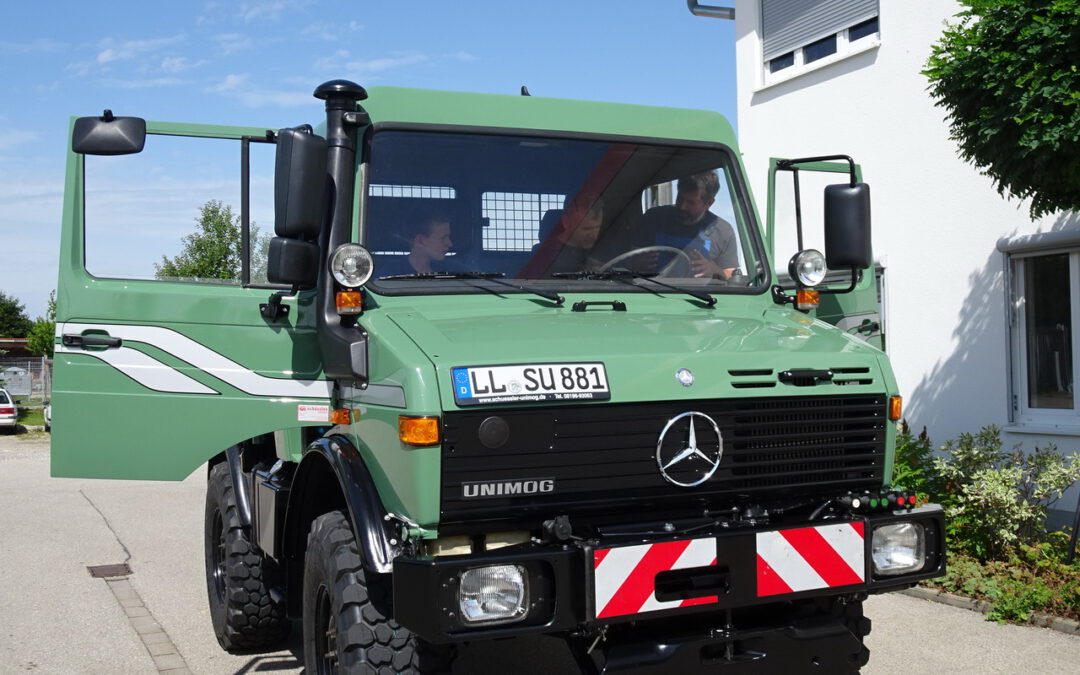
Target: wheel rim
326, 656
218, 572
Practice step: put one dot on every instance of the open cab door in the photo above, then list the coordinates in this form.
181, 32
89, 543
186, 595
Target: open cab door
859, 311
163, 357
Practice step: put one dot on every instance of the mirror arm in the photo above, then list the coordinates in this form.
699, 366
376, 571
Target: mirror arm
273, 309
856, 276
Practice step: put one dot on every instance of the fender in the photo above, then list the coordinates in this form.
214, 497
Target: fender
337, 455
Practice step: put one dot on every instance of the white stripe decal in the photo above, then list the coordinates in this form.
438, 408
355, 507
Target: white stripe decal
786, 562
145, 370
700, 553
849, 544
205, 359
613, 571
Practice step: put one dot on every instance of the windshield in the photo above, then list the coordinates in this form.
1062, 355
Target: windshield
442, 209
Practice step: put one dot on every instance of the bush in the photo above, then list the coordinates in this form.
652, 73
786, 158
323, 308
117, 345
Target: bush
996, 502
997, 499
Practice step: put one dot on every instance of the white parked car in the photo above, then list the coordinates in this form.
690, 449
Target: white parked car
47, 410
9, 414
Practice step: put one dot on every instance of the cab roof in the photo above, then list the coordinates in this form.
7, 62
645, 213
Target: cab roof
442, 108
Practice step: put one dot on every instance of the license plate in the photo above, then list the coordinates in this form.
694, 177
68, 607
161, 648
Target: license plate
477, 385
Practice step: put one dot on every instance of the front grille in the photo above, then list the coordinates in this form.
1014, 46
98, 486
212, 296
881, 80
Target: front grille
600, 458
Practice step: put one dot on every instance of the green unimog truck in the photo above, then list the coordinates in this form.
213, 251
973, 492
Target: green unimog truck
510, 365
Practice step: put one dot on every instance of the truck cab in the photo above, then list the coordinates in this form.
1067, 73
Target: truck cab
510, 365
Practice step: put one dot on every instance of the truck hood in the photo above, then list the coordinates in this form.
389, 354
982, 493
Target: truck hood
729, 353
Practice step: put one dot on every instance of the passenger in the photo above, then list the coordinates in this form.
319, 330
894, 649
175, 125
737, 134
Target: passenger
715, 253
566, 245
429, 239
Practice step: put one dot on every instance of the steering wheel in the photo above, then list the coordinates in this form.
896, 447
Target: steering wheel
646, 249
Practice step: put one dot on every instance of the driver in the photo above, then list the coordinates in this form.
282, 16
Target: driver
712, 251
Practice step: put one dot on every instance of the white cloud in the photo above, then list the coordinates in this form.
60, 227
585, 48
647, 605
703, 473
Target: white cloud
149, 83
121, 51
254, 11
178, 64
39, 46
240, 88
9, 138
360, 69
331, 32
230, 43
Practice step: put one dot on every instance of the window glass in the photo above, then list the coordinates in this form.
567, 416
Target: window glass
172, 212
549, 210
864, 29
781, 62
4, 397
820, 49
1047, 303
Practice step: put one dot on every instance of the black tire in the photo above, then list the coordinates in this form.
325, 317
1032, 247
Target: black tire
346, 623
238, 575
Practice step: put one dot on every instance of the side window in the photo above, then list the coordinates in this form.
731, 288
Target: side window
173, 212
1045, 288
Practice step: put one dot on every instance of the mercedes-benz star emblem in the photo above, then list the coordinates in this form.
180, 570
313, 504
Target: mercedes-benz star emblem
689, 449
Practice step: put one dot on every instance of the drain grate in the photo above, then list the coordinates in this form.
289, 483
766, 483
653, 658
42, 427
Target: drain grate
104, 571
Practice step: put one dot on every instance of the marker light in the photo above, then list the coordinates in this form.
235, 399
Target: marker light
898, 548
808, 267
419, 431
896, 408
494, 594
341, 416
351, 265
806, 300
349, 302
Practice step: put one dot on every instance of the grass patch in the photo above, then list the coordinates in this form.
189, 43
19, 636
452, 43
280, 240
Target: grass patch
32, 417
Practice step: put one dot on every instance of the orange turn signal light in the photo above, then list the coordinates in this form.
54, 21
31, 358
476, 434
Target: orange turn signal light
896, 408
350, 302
420, 431
341, 416
805, 299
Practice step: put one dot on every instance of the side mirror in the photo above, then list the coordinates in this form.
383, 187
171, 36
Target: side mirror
108, 135
292, 262
847, 226
299, 184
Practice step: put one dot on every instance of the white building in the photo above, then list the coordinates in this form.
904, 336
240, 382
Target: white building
981, 302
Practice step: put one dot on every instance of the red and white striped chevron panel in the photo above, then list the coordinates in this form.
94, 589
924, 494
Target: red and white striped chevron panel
809, 558
626, 577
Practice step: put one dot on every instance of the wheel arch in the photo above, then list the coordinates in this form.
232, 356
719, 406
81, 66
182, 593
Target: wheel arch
332, 475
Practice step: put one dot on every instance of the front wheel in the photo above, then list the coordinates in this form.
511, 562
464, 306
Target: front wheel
238, 575
347, 628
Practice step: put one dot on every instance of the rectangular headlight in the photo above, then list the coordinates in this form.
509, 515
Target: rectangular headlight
494, 594
898, 548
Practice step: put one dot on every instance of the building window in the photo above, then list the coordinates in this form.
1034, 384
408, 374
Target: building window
800, 35
1045, 298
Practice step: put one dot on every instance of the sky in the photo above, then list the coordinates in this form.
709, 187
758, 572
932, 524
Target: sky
257, 63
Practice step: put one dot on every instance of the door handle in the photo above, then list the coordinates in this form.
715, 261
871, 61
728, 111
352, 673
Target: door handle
70, 340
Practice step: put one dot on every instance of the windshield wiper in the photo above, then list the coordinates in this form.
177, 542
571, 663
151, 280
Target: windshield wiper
482, 276
622, 274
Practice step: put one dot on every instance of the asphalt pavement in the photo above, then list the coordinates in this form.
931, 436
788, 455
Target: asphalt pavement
56, 618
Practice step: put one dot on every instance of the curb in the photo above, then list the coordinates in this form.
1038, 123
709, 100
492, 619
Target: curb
1062, 625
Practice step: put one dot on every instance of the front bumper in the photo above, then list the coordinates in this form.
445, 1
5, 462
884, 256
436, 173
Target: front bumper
593, 584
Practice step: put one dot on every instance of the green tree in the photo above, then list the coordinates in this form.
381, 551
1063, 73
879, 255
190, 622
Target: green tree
42, 334
215, 249
13, 320
1007, 74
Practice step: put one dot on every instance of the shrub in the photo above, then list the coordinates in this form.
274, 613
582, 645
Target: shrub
997, 499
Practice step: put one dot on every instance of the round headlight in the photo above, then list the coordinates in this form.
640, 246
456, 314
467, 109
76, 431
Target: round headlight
808, 267
351, 265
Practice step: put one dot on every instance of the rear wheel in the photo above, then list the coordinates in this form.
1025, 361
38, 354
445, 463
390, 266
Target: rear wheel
238, 575
347, 628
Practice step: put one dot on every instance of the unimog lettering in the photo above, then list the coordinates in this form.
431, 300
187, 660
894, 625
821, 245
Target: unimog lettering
446, 382
508, 488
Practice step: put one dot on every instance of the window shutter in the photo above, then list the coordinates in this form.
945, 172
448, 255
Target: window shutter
789, 24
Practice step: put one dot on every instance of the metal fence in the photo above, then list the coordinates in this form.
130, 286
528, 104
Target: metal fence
27, 377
